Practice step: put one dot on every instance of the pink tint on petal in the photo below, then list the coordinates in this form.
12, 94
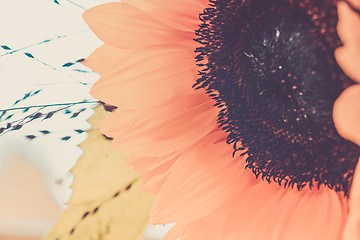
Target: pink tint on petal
103, 58
319, 215
161, 131
154, 179
346, 114
269, 212
174, 233
169, 137
143, 164
348, 28
155, 170
213, 179
253, 210
190, 5
125, 122
355, 3
204, 228
181, 15
148, 77
125, 26
352, 227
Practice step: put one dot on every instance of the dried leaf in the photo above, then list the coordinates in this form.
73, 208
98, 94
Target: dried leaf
107, 202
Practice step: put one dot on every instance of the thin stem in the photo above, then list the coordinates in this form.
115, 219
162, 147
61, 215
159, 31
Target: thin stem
45, 41
49, 105
58, 70
76, 4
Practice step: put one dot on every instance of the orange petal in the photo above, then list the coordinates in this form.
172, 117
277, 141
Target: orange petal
125, 123
346, 114
230, 203
103, 58
174, 233
170, 136
143, 164
352, 229
320, 214
155, 170
269, 212
161, 131
348, 56
180, 4
213, 180
348, 24
209, 229
154, 179
148, 77
125, 26
182, 15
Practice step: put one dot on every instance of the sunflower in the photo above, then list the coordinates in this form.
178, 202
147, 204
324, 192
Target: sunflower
226, 108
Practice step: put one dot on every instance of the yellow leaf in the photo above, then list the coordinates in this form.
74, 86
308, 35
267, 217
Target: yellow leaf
107, 202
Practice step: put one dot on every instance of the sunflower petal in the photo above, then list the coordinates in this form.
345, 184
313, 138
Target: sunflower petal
103, 58
346, 114
348, 56
245, 208
215, 179
147, 78
182, 15
125, 26
352, 230
264, 212
267, 211
154, 179
164, 130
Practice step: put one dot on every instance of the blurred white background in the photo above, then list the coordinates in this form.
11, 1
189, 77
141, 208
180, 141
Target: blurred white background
37, 38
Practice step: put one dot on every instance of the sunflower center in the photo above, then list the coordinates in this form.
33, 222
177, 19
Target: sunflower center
270, 66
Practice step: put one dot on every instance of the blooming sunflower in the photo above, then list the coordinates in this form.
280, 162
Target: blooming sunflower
226, 108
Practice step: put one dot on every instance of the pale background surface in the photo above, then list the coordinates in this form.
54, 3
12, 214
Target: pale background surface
34, 175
